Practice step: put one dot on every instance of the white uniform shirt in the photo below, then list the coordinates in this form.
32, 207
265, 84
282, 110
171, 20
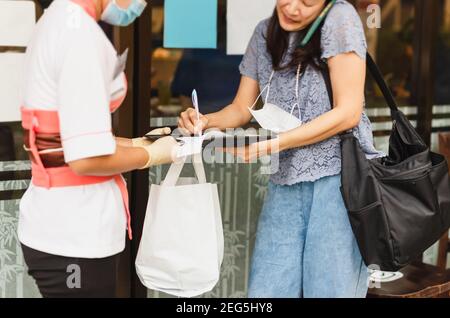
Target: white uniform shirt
69, 68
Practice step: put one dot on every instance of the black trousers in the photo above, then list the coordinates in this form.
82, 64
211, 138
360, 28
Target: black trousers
72, 277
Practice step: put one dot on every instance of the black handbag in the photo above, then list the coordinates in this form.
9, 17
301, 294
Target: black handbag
398, 205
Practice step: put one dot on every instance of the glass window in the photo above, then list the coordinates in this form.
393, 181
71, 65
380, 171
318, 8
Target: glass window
441, 110
176, 72
391, 46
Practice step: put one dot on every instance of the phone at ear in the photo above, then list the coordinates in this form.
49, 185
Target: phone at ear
316, 24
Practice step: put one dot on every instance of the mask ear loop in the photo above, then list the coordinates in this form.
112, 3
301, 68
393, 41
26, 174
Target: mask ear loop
262, 91
297, 80
268, 88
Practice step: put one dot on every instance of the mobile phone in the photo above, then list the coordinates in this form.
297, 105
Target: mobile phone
155, 137
316, 24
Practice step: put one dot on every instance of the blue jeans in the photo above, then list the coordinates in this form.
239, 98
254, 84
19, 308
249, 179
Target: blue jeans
305, 246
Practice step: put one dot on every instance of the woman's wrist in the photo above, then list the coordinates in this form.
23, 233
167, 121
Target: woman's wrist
209, 121
285, 142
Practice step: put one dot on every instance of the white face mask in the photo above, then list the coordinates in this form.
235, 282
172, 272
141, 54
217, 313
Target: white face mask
274, 118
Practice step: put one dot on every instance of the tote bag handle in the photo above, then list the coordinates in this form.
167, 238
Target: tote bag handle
175, 170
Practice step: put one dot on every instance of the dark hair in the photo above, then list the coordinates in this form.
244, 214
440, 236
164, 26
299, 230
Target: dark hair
278, 42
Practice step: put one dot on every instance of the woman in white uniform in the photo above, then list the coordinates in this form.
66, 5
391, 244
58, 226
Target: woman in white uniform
74, 216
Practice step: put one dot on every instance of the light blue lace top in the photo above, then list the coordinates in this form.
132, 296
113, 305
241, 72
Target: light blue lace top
342, 32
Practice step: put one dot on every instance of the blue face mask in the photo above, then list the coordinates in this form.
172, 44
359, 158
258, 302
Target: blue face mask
115, 15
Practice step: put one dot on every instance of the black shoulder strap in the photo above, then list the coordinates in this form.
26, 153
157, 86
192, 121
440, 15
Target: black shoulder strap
327, 79
376, 74
378, 77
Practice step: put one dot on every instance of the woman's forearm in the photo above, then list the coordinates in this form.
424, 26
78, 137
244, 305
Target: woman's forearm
123, 160
327, 125
347, 73
232, 116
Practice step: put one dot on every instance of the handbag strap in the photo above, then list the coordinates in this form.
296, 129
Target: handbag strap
175, 169
377, 76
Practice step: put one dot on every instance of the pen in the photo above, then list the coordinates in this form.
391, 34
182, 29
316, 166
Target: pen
195, 103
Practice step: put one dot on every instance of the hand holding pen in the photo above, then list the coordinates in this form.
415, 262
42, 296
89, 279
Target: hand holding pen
197, 124
191, 120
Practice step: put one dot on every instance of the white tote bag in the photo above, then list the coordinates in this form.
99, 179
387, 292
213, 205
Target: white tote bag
181, 248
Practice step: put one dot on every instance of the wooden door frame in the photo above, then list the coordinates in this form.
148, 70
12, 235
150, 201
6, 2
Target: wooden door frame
132, 120
424, 68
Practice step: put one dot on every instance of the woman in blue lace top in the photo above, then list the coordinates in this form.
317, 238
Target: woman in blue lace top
304, 246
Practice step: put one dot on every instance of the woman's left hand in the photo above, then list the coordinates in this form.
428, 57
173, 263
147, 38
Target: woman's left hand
254, 151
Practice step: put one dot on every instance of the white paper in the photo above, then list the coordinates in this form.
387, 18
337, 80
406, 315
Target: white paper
189, 146
193, 145
121, 63
242, 18
17, 20
11, 66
